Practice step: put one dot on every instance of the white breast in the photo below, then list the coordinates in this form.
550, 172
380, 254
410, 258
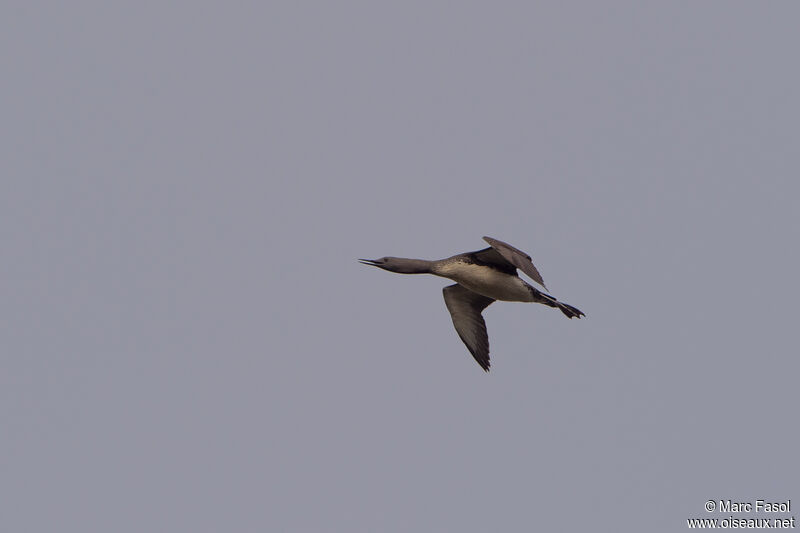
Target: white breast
486, 281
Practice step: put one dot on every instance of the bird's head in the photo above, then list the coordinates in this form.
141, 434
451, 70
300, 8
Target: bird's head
399, 265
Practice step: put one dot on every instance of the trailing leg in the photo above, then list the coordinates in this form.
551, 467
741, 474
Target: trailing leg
546, 299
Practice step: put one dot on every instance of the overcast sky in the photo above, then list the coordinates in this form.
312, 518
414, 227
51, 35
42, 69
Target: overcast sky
187, 342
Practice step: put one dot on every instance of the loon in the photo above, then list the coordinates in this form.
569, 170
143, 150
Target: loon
481, 278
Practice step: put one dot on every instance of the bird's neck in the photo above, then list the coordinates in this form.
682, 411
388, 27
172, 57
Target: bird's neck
412, 266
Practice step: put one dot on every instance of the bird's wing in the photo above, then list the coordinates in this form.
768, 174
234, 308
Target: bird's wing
490, 256
465, 309
518, 258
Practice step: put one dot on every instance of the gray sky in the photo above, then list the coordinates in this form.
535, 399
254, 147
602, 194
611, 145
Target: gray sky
188, 343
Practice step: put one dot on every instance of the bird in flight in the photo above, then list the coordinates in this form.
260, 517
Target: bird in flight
481, 278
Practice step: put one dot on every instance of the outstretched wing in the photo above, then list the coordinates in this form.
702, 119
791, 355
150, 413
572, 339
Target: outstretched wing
490, 256
518, 258
465, 309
